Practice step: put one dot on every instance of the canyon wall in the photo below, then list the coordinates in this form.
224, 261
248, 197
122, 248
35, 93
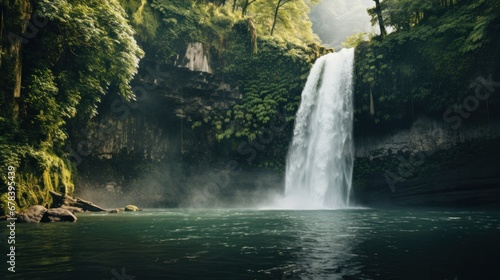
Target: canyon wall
429, 162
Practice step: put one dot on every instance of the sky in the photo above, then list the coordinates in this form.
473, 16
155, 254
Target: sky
335, 20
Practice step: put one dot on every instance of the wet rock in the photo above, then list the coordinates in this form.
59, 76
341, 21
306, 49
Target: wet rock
131, 208
33, 214
58, 215
196, 59
114, 211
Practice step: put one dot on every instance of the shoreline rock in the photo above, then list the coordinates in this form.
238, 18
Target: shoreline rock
40, 214
58, 215
32, 214
131, 208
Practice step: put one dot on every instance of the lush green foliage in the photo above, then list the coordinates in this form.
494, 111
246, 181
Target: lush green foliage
92, 51
168, 25
271, 79
428, 64
37, 171
79, 51
271, 82
86, 49
355, 40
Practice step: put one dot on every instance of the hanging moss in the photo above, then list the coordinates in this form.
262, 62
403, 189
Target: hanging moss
37, 173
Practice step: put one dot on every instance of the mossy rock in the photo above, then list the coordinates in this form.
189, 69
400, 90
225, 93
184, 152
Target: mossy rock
131, 208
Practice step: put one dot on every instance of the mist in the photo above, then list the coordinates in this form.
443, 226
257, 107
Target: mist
335, 20
224, 185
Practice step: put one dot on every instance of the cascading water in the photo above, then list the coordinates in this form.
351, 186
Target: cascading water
320, 157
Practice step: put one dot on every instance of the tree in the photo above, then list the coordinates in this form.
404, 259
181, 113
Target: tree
86, 50
279, 6
59, 58
14, 23
378, 9
245, 6
287, 20
428, 63
406, 14
2, 8
355, 39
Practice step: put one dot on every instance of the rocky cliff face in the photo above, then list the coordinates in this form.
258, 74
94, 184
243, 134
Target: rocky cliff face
424, 135
146, 152
196, 59
158, 124
149, 145
429, 164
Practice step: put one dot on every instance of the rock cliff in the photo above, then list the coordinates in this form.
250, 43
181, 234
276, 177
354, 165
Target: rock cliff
426, 163
429, 164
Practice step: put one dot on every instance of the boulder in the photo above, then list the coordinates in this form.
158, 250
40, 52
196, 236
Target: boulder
33, 214
114, 211
131, 208
58, 215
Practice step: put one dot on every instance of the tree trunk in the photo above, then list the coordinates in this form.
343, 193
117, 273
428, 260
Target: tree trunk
253, 36
18, 67
234, 5
17, 47
244, 8
14, 22
1, 36
61, 200
275, 18
380, 18
372, 105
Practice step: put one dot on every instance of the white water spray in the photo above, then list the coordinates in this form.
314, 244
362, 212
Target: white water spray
320, 157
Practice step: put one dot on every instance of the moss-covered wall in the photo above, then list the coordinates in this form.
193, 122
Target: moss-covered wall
37, 173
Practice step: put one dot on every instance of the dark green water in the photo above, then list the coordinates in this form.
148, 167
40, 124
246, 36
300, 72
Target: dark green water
261, 244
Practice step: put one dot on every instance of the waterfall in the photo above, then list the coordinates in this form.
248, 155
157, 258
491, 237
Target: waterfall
320, 157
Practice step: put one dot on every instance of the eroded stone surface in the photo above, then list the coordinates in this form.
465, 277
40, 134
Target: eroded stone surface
58, 215
33, 214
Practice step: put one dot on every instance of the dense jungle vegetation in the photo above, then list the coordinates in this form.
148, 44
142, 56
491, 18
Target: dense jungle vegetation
439, 55
58, 59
